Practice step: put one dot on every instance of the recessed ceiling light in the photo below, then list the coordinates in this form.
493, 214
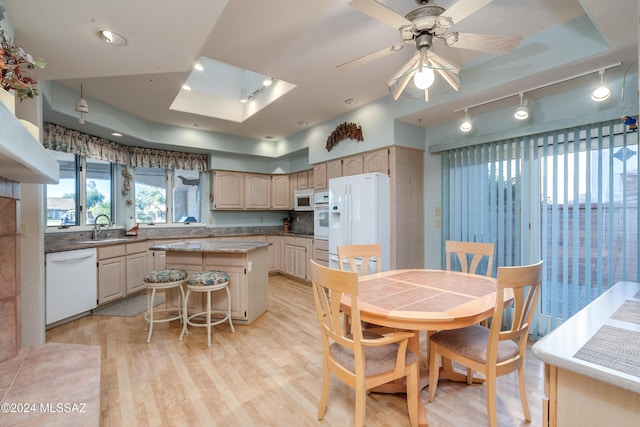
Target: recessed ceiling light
116, 134
112, 38
198, 66
186, 87
267, 81
350, 101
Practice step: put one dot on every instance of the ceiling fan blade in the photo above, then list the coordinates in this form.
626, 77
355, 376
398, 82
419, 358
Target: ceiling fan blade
412, 63
426, 95
370, 57
464, 8
491, 43
381, 13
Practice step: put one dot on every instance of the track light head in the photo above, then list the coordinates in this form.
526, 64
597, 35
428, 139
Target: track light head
522, 112
602, 92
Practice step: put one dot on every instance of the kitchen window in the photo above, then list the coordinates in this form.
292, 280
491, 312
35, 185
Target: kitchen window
152, 197
85, 186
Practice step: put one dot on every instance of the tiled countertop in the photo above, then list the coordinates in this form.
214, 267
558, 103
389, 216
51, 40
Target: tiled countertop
577, 334
51, 385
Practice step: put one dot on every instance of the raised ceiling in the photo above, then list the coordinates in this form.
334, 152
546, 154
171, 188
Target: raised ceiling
301, 42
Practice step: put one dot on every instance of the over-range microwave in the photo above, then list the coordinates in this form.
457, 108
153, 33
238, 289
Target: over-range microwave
303, 200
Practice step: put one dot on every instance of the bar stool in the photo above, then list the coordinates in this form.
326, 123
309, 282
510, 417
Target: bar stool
207, 281
162, 280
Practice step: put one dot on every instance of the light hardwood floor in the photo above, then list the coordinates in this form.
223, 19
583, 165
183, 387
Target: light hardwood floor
265, 374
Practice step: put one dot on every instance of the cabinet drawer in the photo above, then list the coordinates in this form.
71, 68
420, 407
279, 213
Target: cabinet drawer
322, 244
215, 260
289, 240
320, 255
134, 248
111, 251
188, 258
300, 241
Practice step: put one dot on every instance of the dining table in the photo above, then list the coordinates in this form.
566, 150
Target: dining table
424, 300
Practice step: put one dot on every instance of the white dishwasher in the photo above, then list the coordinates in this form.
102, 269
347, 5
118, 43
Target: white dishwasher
70, 283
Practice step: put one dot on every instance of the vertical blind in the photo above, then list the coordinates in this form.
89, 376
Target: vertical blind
568, 197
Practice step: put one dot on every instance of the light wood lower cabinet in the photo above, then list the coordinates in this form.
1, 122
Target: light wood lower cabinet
297, 255
112, 273
247, 281
321, 251
136, 266
276, 253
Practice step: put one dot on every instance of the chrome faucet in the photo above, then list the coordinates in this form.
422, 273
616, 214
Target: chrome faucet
97, 228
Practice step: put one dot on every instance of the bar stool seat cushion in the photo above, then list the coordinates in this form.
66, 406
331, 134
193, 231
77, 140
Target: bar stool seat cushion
208, 278
165, 276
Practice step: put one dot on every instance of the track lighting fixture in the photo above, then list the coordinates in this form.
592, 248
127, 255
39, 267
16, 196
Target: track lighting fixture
522, 112
602, 92
81, 106
466, 124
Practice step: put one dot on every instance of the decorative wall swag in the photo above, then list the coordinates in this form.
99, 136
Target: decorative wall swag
343, 131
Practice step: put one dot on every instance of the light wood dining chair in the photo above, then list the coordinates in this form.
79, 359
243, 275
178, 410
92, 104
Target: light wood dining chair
462, 251
361, 359
364, 254
491, 351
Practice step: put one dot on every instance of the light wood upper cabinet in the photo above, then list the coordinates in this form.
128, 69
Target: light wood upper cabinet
320, 176
352, 165
377, 161
334, 169
258, 191
293, 186
280, 192
228, 190
303, 180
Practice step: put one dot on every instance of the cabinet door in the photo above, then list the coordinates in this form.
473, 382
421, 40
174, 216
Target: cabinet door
136, 269
300, 268
290, 260
352, 165
377, 161
228, 190
303, 180
112, 279
308, 249
334, 169
280, 192
237, 285
320, 176
279, 253
258, 191
273, 253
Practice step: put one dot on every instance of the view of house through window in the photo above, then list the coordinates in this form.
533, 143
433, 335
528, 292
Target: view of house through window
186, 196
62, 197
78, 191
151, 195
98, 189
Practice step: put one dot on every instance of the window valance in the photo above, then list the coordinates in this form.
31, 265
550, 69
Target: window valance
59, 138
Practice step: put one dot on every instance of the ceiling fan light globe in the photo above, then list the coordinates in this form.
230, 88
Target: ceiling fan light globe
82, 106
600, 93
424, 78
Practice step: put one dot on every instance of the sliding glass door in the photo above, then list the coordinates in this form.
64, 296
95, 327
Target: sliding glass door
567, 197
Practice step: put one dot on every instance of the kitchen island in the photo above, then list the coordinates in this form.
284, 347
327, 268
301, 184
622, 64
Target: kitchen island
244, 262
592, 363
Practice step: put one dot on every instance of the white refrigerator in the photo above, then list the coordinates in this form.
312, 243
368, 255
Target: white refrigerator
359, 213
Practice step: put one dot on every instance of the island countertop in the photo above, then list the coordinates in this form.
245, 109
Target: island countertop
562, 345
220, 246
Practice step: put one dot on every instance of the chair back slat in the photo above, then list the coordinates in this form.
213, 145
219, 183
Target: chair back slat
463, 250
363, 253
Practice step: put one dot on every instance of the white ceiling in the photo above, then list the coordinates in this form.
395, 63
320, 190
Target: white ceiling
299, 41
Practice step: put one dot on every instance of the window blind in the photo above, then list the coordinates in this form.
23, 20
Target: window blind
568, 197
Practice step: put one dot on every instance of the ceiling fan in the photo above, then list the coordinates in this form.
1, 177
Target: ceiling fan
421, 27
